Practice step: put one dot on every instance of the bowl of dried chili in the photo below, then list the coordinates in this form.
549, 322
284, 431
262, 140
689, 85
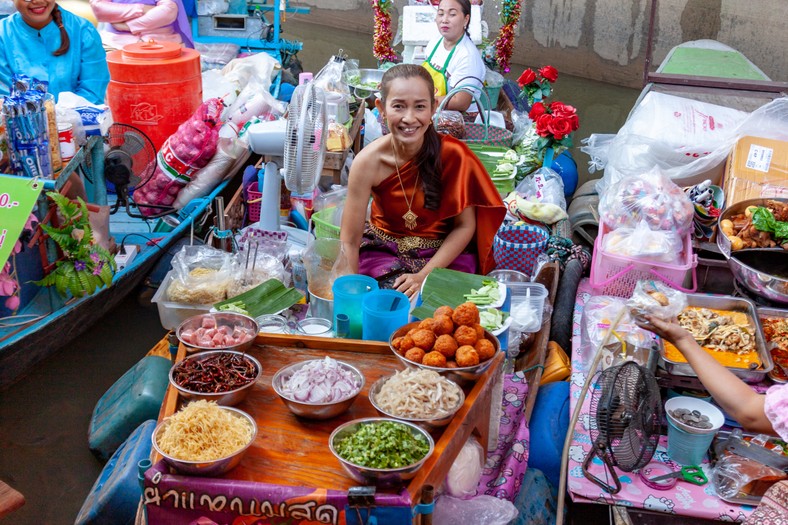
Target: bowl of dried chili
224, 376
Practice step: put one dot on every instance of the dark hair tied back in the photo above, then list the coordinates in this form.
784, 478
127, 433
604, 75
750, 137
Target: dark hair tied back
65, 42
428, 159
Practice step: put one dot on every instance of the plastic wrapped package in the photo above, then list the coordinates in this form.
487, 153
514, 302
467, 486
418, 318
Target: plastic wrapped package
641, 242
656, 299
202, 275
230, 154
451, 123
651, 197
545, 186
187, 150
254, 100
480, 509
466, 471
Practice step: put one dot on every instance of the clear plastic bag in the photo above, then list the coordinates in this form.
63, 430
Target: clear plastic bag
545, 186
734, 474
641, 242
324, 260
481, 509
202, 275
251, 268
651, 197
657, 299
466, 471
598, 315
331, 78
451, 123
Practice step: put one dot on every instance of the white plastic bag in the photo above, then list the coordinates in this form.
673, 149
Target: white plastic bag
372, 128
466, 471
488, 510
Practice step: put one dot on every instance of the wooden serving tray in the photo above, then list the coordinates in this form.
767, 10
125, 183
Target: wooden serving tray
291, 451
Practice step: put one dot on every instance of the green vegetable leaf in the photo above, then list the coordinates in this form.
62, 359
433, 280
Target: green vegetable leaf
763, 220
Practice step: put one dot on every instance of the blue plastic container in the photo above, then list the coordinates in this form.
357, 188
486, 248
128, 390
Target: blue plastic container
114, 497
134, 398
383, 311
349, 291
548, 425
686, 448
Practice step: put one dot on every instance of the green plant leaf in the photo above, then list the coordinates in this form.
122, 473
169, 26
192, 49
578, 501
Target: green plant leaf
106, 275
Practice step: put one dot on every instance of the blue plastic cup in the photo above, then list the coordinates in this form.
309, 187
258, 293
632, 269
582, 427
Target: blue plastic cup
687, 448
383, 312
349, 290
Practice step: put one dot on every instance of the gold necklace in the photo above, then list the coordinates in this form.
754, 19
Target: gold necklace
409, 217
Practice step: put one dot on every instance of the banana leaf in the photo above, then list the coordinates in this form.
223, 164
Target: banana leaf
269, 297
446, 287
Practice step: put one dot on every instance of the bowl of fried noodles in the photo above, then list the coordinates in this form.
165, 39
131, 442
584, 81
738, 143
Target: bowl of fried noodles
204, 438
417, 395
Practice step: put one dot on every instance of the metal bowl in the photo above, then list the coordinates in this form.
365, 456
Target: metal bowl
428, 424
363, 80
460, 375
315, 410
378, 476
216, 467
755, 280
228, 398
230, 319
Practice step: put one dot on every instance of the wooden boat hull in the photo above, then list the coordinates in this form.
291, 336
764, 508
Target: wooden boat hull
21, 347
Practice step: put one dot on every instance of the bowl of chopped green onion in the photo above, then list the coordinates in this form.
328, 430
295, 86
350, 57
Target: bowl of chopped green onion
381, 451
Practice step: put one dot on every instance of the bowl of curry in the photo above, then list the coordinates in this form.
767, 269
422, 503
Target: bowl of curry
726, 327
775, 331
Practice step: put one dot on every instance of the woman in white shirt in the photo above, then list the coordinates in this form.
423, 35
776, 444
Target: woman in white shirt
452, 58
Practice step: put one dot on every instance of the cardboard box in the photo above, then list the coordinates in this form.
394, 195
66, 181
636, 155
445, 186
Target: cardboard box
756, 168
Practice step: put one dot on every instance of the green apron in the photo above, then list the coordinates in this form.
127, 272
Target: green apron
439, 75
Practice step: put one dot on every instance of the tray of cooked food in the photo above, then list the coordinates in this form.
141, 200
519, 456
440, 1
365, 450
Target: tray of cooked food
726, 327
310, 426
775, 333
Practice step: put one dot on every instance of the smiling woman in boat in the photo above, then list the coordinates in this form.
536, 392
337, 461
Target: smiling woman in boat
45, 41
433, 204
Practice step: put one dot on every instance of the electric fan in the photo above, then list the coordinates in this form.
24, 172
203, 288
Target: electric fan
299, 144
625, 419
129, 163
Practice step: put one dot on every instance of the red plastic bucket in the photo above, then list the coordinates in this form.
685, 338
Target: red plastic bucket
154, 86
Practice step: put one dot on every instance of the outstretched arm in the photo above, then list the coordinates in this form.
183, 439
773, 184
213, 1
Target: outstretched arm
731, 393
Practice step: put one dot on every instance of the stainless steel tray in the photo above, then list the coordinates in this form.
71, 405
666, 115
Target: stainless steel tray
763, 313
737, 304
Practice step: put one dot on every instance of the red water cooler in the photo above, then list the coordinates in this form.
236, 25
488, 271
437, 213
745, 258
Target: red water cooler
154, 86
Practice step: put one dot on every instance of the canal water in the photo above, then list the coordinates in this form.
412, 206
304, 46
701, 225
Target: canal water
44, 418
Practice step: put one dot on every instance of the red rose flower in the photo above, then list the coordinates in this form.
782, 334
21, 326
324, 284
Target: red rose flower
560, 127
562, 110
537, 110
543, 123
549, 73
527, 77
574, 122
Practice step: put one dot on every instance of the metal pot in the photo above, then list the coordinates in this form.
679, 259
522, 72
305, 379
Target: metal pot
756, 280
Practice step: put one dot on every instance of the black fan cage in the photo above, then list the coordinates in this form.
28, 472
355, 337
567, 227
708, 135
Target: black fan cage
626, 415
139, 148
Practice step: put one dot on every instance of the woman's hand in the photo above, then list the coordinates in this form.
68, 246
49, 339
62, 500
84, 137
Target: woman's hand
121, 26
409, 283
670, 331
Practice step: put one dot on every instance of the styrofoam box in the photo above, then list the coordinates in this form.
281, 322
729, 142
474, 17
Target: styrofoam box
172, 314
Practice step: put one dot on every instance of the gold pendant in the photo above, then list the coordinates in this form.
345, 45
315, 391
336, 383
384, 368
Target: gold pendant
410, 220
